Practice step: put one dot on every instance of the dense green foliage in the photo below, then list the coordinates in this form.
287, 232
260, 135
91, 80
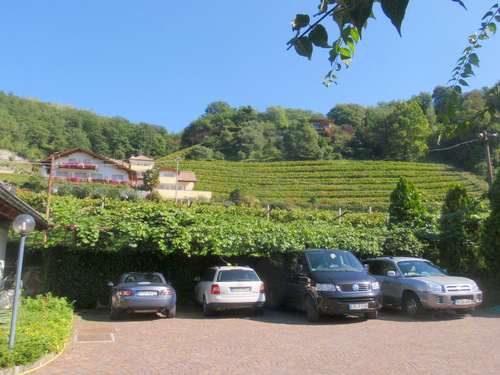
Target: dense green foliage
34, 129
44, 325
489, 244
459, 226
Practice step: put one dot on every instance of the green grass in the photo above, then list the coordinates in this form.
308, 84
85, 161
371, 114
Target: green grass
44, 325
338, 184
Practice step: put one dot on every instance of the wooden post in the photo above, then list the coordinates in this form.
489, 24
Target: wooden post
340, 215
47, 207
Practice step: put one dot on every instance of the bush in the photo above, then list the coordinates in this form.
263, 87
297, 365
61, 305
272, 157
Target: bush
44, 325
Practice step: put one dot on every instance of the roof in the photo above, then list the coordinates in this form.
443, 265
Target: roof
12, 206
141, 157
117, 163
184, 176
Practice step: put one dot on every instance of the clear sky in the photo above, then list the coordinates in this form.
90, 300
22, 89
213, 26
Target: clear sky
163, 61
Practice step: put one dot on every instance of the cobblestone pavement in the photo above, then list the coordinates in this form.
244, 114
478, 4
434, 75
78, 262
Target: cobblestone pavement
280, 342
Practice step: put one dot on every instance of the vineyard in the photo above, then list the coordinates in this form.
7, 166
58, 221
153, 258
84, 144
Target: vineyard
353, 185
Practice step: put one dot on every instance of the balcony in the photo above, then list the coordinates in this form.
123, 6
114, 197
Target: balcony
80, 166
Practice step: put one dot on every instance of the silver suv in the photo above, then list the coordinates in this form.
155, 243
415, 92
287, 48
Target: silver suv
418, 285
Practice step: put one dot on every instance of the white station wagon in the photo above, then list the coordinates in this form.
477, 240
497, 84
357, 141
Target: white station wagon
230, 287
417, 285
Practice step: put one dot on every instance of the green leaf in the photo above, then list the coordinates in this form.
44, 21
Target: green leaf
342, 17
473, 59
395, 10
492, 27
463, 82
355, 34
360, 12
304, 47
319, 36
300, 21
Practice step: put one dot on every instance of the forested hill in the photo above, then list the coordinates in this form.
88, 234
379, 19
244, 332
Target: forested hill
34, 129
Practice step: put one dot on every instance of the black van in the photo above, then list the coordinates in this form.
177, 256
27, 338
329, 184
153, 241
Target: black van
322, 281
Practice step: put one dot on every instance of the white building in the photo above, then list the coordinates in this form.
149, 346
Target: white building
80, 165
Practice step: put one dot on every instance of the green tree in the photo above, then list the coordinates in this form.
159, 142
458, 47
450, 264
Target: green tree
301, 142
151, 178
459, 224
406, 207
489, 243
407, 130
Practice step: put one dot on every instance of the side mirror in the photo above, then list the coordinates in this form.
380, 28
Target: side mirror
111, 284
197, 279
391, 273
367, 267
299, 268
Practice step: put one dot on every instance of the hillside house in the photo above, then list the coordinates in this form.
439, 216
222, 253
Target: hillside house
141, 164
179, 185
80, 165
323, 125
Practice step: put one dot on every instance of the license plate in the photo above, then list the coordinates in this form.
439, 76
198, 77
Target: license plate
358, 306
463, 302
239, 289
145, 293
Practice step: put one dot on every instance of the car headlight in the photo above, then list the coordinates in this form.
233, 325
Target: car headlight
474, 286
325, 287
375, 285
436, 288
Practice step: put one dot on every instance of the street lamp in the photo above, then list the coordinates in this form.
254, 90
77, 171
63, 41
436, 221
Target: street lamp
23, 225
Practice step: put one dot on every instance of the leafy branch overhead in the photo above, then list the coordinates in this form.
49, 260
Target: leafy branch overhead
465, 69
351, 17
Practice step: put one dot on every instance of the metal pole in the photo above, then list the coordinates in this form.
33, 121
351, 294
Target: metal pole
176, 179
16, 293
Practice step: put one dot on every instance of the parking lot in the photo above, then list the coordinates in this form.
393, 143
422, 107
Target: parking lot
280, 342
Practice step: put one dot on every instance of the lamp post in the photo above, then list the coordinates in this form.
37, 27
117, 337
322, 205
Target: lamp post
24, 225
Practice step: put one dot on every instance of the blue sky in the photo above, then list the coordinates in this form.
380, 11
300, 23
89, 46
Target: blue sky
163, 61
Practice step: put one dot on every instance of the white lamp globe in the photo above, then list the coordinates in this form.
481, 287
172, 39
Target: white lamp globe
24, 224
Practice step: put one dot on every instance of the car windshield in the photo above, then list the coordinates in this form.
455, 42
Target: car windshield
334, 260
143, 278
237, 275
418, 268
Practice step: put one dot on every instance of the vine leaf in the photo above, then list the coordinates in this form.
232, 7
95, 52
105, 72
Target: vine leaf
360, 12
395, 10
319, 36
304, 47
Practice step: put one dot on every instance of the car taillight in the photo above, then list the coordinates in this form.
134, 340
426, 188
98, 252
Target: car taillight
215, 289
262, 289
166, 292
125, 292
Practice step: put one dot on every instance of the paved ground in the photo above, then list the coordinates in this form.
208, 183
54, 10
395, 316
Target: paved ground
280, 342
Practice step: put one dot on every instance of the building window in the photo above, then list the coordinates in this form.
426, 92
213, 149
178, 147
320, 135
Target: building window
62, 174
97, 177
81, 175
118, 177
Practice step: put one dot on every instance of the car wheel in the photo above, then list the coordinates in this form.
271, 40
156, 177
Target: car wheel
272, 301
371, 315
413, 306
114, 313
171, 313
207, 311
258, 311
312, 311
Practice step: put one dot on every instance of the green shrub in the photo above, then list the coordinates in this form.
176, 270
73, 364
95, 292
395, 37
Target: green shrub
44, 326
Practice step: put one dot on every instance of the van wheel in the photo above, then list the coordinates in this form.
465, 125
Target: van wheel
207, 311
312, 311
371, 315
413, 306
